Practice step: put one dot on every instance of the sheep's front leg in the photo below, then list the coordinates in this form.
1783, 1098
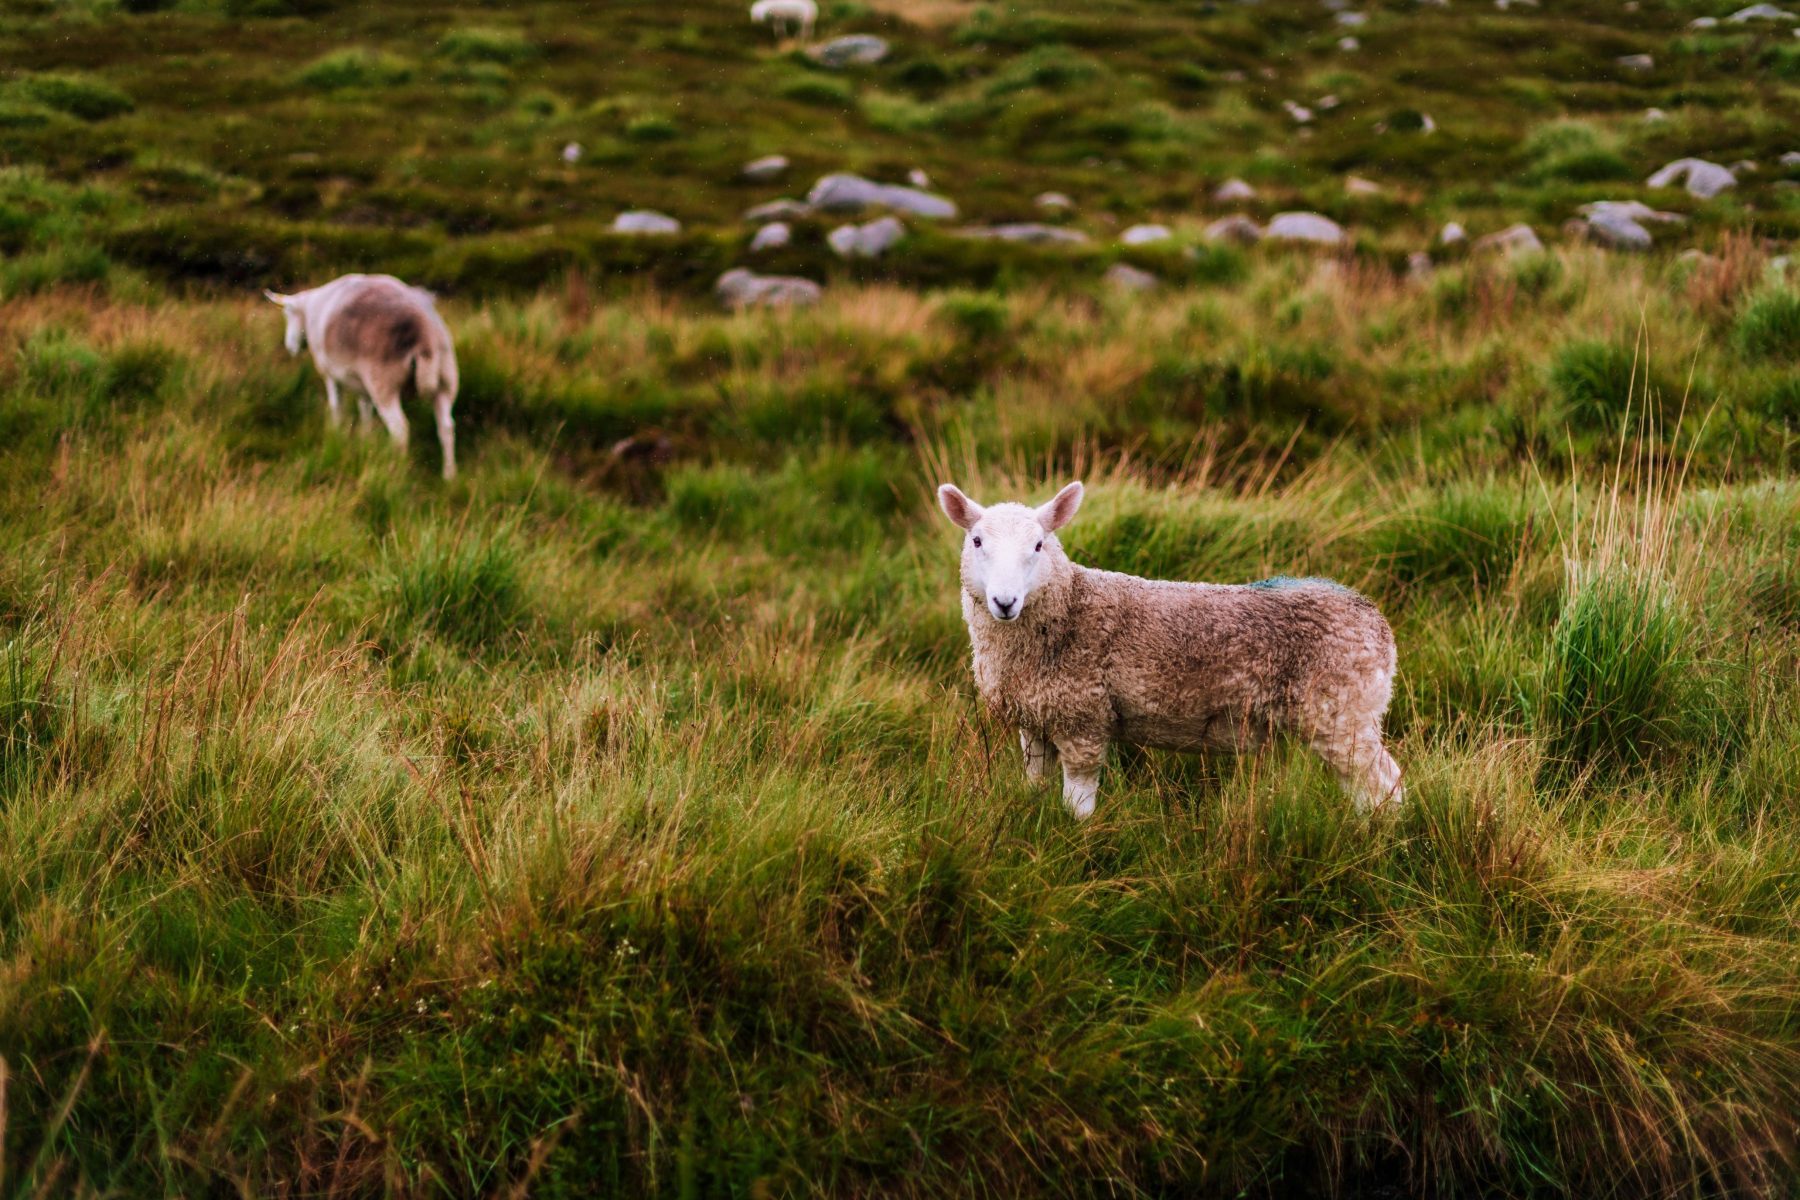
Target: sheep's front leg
335, 404
1367, 772
1038, 754
1081, 775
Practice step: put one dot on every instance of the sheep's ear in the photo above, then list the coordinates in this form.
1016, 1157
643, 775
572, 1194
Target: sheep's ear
277, 297
958, 507
1061, 509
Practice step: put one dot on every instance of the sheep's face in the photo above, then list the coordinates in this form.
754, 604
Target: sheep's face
1009, 550
296, 322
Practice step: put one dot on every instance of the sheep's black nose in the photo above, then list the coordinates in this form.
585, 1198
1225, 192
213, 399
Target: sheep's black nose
1004, 607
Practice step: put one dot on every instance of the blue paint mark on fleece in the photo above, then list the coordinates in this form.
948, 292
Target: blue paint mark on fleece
1288, 581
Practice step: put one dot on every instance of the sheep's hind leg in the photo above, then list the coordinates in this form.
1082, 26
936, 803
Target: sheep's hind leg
1365, 770
446, 427
333, 403
393, 416
1081, 776
1038, 755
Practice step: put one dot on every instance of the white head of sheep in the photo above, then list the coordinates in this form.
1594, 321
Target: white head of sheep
1008, 549
296, 320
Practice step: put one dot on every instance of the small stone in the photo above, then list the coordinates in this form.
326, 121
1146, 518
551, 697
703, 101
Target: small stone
1300, 113
1704, 23
1352, 20
772, 236
743, 288
778, 210
866, 241
1655, 114
1760, 12
1514, 239
1356, 185
1053, 202
763, 170
1742, 166
918, 178
1631, 210
1305, 227
1348, 44
1615, 230
1239, 229
645, 221
1126, 278
1233, 191
844, 192
1326, 103
1141, 235
1636, 62
1453, 234
856, 50
1026, 231
1790, 159
571, 153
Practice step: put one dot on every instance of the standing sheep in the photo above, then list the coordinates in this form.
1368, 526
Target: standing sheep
1076, 658
374, 334
786, 16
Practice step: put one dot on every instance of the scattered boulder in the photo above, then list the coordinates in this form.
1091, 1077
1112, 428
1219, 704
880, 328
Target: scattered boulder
918, 178
645, 221
1299, 112
845, 193
855, 50
1514, 239
1126, 278
766, 169
1027, 231
1791, 159
1743, 166
1352, 20
1232, 191
772, 236
1239, 229
744, 288
778, 210
866, 241
1348, 44
1053, 202
1655, 114
1356, 185
571, 153
1326, 103
1631, 210
1453, 234
1611, 229
1703, 179
1636, 62
1305, 227
1141, 235
1760, 12
1704, 23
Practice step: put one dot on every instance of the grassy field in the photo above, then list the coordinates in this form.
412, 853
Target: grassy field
619, 818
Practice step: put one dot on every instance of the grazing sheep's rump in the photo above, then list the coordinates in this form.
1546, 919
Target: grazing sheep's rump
374, 335
1084, 657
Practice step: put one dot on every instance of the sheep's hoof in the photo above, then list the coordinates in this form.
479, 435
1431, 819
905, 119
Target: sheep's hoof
1080, 807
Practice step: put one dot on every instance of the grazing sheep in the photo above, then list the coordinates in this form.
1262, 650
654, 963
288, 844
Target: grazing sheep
374, 334
786, 16
1076, 658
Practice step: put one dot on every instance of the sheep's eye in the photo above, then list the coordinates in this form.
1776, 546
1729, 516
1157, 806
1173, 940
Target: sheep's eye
978, 543
1040, 548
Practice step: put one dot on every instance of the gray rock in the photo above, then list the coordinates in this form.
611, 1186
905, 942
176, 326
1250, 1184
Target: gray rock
856, 50
1743, 166
1232, 191
1126, 278
918, 178
1143, 235
1299, 112
1305, 227
1631, 210
645, 221
1453, 234
571, 153
778, 210
1026, 231
772, 236
1348, 44
1655, 114
1615, 230
765, 169
1514, 239
1053, 202
846, 193
1352, 20
1791, 159
1760, 12
1704, 179
1356, 185
866, 241
1636, 62
743, 288
1704, 23
1239, 229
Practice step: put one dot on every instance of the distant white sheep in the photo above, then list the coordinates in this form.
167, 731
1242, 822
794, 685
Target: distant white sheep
374, 334
786, 17
1076, 658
